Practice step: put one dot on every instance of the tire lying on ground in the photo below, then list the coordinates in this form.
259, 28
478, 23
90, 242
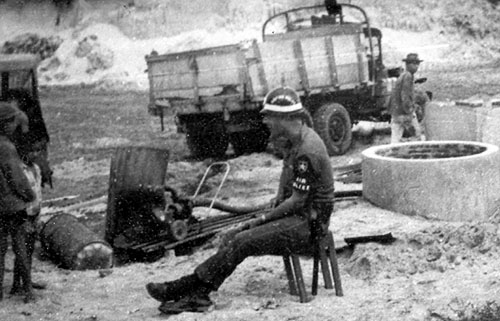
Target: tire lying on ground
445, 180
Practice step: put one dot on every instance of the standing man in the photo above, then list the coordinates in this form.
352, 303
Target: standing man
15, 194
402, 103
301, 213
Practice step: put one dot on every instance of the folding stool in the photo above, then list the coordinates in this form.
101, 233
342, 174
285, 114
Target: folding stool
328, 259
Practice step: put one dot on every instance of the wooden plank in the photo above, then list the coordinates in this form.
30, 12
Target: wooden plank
200, 52
346, 59
152, 92
208, 69
280, 64
331, 61
245, 87
362, 61
260, 67
301, 65
193, 66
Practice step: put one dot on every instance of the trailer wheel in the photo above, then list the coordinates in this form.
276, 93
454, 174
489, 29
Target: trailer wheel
333, 124
209, 142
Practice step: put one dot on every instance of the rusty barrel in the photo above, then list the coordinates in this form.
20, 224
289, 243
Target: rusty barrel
71, 245
131, 168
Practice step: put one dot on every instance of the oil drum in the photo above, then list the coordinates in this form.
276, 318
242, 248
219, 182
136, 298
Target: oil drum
71, 245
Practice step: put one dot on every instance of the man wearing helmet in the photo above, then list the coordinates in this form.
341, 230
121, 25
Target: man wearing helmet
301, 211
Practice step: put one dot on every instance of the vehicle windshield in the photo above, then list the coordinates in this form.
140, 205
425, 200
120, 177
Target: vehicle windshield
19, 79
311, 17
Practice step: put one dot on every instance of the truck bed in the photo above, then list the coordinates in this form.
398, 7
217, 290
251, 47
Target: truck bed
211, 79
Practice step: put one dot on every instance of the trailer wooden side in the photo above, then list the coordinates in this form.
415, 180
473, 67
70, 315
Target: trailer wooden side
195, 74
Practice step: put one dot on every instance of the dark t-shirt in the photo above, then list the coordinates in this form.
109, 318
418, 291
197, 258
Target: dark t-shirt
307, 169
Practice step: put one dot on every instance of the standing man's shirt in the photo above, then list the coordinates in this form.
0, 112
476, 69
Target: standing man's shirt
34, 175
403, 95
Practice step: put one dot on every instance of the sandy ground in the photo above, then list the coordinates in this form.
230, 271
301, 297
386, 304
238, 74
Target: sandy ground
434, 270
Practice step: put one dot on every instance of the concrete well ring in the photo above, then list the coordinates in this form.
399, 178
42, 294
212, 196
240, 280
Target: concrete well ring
444, 180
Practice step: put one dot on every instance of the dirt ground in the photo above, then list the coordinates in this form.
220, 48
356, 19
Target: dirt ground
433, 271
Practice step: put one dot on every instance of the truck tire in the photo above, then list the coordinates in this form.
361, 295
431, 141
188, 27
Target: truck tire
210, 142
333, 125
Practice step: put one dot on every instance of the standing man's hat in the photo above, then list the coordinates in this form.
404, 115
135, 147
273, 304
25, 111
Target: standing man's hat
412, 57
282, 101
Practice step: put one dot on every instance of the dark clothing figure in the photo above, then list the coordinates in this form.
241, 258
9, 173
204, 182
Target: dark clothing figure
13, 225
15, 193
305, 198
15, 190
33, 173
32, 135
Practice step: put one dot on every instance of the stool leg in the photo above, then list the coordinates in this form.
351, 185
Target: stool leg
290, 276
334, 264
314, 290
299, 279
327, 277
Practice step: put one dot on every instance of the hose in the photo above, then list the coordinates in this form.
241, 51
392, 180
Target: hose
205, 202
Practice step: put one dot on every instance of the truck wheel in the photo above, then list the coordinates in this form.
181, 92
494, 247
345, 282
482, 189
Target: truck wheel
212, 142
333, 124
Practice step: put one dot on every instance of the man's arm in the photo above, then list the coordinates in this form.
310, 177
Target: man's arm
14, 174
289, 206
407, 93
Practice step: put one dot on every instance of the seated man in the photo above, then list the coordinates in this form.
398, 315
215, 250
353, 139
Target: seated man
304, 203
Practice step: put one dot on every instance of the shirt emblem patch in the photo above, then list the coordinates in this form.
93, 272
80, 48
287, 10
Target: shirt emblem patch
302, 166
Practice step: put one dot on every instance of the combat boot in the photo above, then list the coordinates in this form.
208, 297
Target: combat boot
174, 290
196, 301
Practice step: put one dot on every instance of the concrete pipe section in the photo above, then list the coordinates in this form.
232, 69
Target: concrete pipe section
445, 180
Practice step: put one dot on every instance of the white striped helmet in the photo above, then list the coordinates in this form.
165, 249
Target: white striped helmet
282, 101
